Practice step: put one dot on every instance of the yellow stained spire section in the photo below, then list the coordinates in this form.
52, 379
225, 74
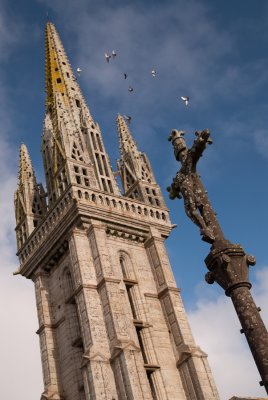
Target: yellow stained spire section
54, 77
55, 85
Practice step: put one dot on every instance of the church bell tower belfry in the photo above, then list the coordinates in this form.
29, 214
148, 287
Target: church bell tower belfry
111, 320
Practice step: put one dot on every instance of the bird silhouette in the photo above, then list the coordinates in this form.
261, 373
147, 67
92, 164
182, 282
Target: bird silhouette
185, 99
127, 118
107, 57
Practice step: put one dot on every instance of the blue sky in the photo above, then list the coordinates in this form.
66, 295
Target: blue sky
215, 52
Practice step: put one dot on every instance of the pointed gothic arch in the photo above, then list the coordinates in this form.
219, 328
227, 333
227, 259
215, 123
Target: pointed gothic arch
126, 265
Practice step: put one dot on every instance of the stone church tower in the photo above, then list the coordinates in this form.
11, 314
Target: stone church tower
111, 320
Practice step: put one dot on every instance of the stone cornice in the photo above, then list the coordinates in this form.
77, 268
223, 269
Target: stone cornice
71, 299
50, 326
166, 290
107, 280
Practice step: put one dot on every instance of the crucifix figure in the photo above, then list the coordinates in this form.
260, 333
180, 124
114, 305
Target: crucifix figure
187, 184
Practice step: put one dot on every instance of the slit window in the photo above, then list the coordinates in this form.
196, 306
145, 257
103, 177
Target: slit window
99, 142
77, 102
99, 164
58, 80
138, 330
93, 140
104, 185
151, 383
110, 186
130, 298
105, 165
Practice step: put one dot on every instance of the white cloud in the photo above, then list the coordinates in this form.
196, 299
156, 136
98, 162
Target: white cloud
20, 368
217, 331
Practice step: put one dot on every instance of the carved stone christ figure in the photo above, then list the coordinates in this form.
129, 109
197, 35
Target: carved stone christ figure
188, 186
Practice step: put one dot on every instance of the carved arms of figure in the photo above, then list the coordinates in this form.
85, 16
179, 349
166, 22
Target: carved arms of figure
202, 140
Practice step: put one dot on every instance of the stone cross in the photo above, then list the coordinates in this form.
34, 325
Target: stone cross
227, 263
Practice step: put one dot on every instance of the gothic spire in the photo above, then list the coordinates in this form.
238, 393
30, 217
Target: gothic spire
26, 172
30, 205
126, 141
72, 141
136, 173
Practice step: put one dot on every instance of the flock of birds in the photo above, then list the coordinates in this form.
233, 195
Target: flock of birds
112, 56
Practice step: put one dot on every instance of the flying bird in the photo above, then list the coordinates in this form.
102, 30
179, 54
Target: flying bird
78, 70
130, 89
153, 72
185, 99
127, 118
114, 54
107, 57
125, 76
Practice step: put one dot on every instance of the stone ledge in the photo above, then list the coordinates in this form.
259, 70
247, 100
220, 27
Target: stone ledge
166, 290
50, 326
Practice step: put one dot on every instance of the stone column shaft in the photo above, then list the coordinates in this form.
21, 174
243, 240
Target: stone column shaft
97, 372
254, 329
47, 339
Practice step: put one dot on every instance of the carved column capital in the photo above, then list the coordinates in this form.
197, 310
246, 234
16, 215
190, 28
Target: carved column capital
228, 266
